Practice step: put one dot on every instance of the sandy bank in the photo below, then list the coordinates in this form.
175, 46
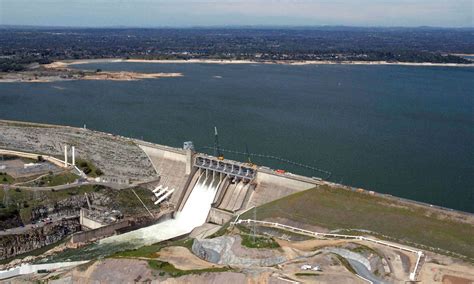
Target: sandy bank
64, 64
212, 61
68, 76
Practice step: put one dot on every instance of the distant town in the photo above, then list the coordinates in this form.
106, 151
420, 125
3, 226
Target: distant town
23, 47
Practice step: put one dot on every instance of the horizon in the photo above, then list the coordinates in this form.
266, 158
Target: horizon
233, 27
237, 13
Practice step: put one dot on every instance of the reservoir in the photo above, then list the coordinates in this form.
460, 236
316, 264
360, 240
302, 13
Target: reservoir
402, 130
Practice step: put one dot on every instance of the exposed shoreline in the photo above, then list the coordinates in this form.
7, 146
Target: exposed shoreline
107, 76
60, 71
227, 61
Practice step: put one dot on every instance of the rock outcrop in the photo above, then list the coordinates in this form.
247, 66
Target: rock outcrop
15, 244
226, 250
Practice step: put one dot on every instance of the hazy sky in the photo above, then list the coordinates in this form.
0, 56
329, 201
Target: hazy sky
153, 13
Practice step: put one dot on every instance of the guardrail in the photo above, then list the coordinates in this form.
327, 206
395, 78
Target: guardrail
418, 253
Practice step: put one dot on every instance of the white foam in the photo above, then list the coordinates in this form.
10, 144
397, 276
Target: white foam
193, 215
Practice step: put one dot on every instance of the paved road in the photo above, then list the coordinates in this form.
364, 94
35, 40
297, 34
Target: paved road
66, 186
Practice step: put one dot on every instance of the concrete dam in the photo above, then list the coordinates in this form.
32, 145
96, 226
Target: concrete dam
206, 189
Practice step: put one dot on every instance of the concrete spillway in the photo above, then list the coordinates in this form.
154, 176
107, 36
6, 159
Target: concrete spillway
194, 214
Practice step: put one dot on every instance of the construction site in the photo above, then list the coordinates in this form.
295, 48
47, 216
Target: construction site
174, 213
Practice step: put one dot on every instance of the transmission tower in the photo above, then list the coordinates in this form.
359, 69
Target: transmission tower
254, 226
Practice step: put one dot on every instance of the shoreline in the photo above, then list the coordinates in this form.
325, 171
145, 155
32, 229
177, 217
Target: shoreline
28, 77
66, 63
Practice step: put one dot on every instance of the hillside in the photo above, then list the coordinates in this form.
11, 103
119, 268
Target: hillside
336, 208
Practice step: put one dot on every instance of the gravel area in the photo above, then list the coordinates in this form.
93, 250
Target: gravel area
114, 155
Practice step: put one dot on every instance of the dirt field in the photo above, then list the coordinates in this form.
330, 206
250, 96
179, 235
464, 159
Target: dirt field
442, 269
183, 259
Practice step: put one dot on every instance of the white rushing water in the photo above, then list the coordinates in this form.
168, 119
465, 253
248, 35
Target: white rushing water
194, 214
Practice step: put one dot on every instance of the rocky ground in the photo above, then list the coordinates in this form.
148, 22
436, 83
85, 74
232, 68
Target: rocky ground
114, 155
226, 260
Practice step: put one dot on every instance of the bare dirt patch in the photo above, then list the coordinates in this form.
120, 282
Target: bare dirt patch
183, 259
449, 279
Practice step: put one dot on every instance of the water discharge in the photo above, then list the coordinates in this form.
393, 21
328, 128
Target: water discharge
194, 214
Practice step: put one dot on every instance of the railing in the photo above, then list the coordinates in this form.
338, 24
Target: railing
317, 234
327, 173
224, 167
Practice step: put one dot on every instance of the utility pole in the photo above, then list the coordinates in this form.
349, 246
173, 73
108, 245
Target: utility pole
254, 227
6, 199
248, 154
217, 151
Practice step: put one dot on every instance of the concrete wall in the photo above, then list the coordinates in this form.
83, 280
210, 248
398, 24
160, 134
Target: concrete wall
219, 217
272, 186
168, 153
33, 156
88, 223
99, 232
171, 165
181, 199
285, 180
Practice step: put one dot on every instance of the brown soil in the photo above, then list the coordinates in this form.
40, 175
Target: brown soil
449, 279
183, 259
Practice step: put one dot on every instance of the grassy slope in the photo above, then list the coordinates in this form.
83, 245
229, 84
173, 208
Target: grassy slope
342, 209
53, 180
5, 178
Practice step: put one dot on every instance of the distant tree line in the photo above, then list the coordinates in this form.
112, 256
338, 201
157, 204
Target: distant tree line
20, 47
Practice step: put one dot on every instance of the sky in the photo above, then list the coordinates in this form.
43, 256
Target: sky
185, 13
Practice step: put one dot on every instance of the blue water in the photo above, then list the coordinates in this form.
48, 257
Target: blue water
407, 131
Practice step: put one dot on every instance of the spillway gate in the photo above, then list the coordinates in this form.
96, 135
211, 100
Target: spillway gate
228, 168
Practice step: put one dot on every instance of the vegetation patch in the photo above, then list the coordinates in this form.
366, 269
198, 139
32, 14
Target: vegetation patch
306, 274
128, 201
364, 250
222, 231
172, 271
54, 180
345, 263
258, 242
89, 168
337, 208
6, 178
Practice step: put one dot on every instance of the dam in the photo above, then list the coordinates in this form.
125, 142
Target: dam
205, 188
199, 189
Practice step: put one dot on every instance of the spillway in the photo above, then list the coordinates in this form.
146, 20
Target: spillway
194, 214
